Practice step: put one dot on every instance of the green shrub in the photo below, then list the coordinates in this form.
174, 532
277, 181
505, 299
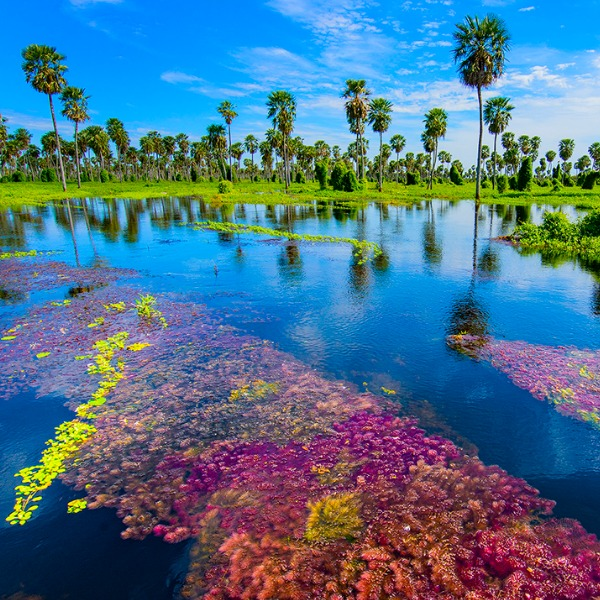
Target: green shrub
300, 177
225, 187
48, 175
18, 177
413, 178
455, 176
525, 175
194, 174
321, 174
590, 180
104, 176
513, 183
274, 177
556, 226
257, 178
350, 182
502, 183
200, 179
4, 179
486, 184
568, 181
337, 175
589, 226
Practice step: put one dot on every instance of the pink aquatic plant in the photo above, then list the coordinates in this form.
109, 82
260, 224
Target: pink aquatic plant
565, 376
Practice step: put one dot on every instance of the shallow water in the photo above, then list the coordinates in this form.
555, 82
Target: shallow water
381, 324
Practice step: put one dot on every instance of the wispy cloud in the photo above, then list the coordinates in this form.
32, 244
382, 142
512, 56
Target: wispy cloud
82, 3
527, 9
539, 74
179, 77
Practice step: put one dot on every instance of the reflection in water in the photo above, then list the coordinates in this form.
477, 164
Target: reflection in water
289, 262
432, 248
489, 261
360, 278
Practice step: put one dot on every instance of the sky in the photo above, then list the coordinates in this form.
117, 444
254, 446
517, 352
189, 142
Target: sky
166, 66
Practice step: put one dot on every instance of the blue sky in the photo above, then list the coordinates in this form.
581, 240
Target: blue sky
167, 65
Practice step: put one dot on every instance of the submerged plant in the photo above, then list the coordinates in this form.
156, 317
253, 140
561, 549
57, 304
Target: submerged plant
334, 517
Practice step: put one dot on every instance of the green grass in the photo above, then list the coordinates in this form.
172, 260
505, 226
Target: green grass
16, 194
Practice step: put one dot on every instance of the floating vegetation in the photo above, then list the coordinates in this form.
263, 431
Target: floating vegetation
565, 376
18, 254
288, 484
146, 311
556, 234
363, 250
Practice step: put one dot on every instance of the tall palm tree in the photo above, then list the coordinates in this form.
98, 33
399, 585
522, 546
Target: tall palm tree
397, 142
217, 143
44, 71
594, 152
75, 108
480, 51
436, 122
282, 110
227, 110
379, 117
357, 108
550, 156
496, 115
120, 138
251, 146
565, 151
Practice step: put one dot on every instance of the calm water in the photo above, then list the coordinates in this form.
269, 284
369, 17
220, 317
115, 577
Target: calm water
379, 324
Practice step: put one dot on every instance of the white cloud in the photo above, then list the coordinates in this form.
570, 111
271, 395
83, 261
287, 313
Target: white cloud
34, 123
179, 77
536, 75
527, 9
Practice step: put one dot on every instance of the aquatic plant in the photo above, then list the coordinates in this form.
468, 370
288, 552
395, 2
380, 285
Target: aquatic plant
565, 376
146, 311
67, 441
333, 517
363, 250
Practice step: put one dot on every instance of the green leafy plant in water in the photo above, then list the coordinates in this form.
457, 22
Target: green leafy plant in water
146, 311
69, 437
77, 505
334, 517
18, 254
362, 248
71, 434
96, 322
257, 390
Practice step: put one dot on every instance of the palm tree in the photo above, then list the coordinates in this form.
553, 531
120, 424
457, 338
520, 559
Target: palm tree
565, 151
480, 49
44, 71
217, 143
120, 138
496, 115
282, 110
397, 142
357, 108
380, 117
436, 122
75, 109
594, 152
227, 110
550, 156
251, 146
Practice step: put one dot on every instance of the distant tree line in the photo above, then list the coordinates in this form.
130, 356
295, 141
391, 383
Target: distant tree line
104, 153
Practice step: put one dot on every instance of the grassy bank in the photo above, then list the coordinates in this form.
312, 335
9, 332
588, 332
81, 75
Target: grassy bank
14, 194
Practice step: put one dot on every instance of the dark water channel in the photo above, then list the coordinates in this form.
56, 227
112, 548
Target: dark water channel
380, 324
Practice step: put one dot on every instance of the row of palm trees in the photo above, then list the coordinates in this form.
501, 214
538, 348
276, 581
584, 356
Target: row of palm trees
479, 52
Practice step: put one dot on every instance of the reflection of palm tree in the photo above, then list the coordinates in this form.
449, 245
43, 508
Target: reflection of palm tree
432, 249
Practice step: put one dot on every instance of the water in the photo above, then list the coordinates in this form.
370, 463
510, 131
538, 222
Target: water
381, 324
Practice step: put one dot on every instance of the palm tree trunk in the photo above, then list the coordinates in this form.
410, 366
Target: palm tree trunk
77, 158
285, 163
380, 161
230, 167
478, 176
494, 162
356, 153
60, 162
